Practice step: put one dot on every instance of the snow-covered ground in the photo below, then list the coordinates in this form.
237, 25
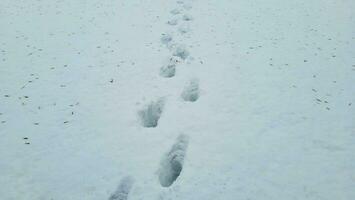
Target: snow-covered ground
177, 100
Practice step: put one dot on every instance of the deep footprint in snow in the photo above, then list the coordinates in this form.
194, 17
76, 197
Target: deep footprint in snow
123, 189
173, 162
192, 91
181, 52
150, 115
169, 69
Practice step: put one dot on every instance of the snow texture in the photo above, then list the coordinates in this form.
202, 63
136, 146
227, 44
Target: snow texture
177, 100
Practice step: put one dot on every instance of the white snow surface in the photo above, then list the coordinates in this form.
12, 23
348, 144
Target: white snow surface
274, 115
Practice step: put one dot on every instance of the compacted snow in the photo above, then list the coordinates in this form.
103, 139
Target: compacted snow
177, 100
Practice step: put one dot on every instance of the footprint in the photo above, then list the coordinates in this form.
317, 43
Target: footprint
173, 162
172, 22
150, 115
175, 60
181, 52
168, 71
191, 92
123, 189
184, 29
172, 46
175, 11
187, 17
166, 38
